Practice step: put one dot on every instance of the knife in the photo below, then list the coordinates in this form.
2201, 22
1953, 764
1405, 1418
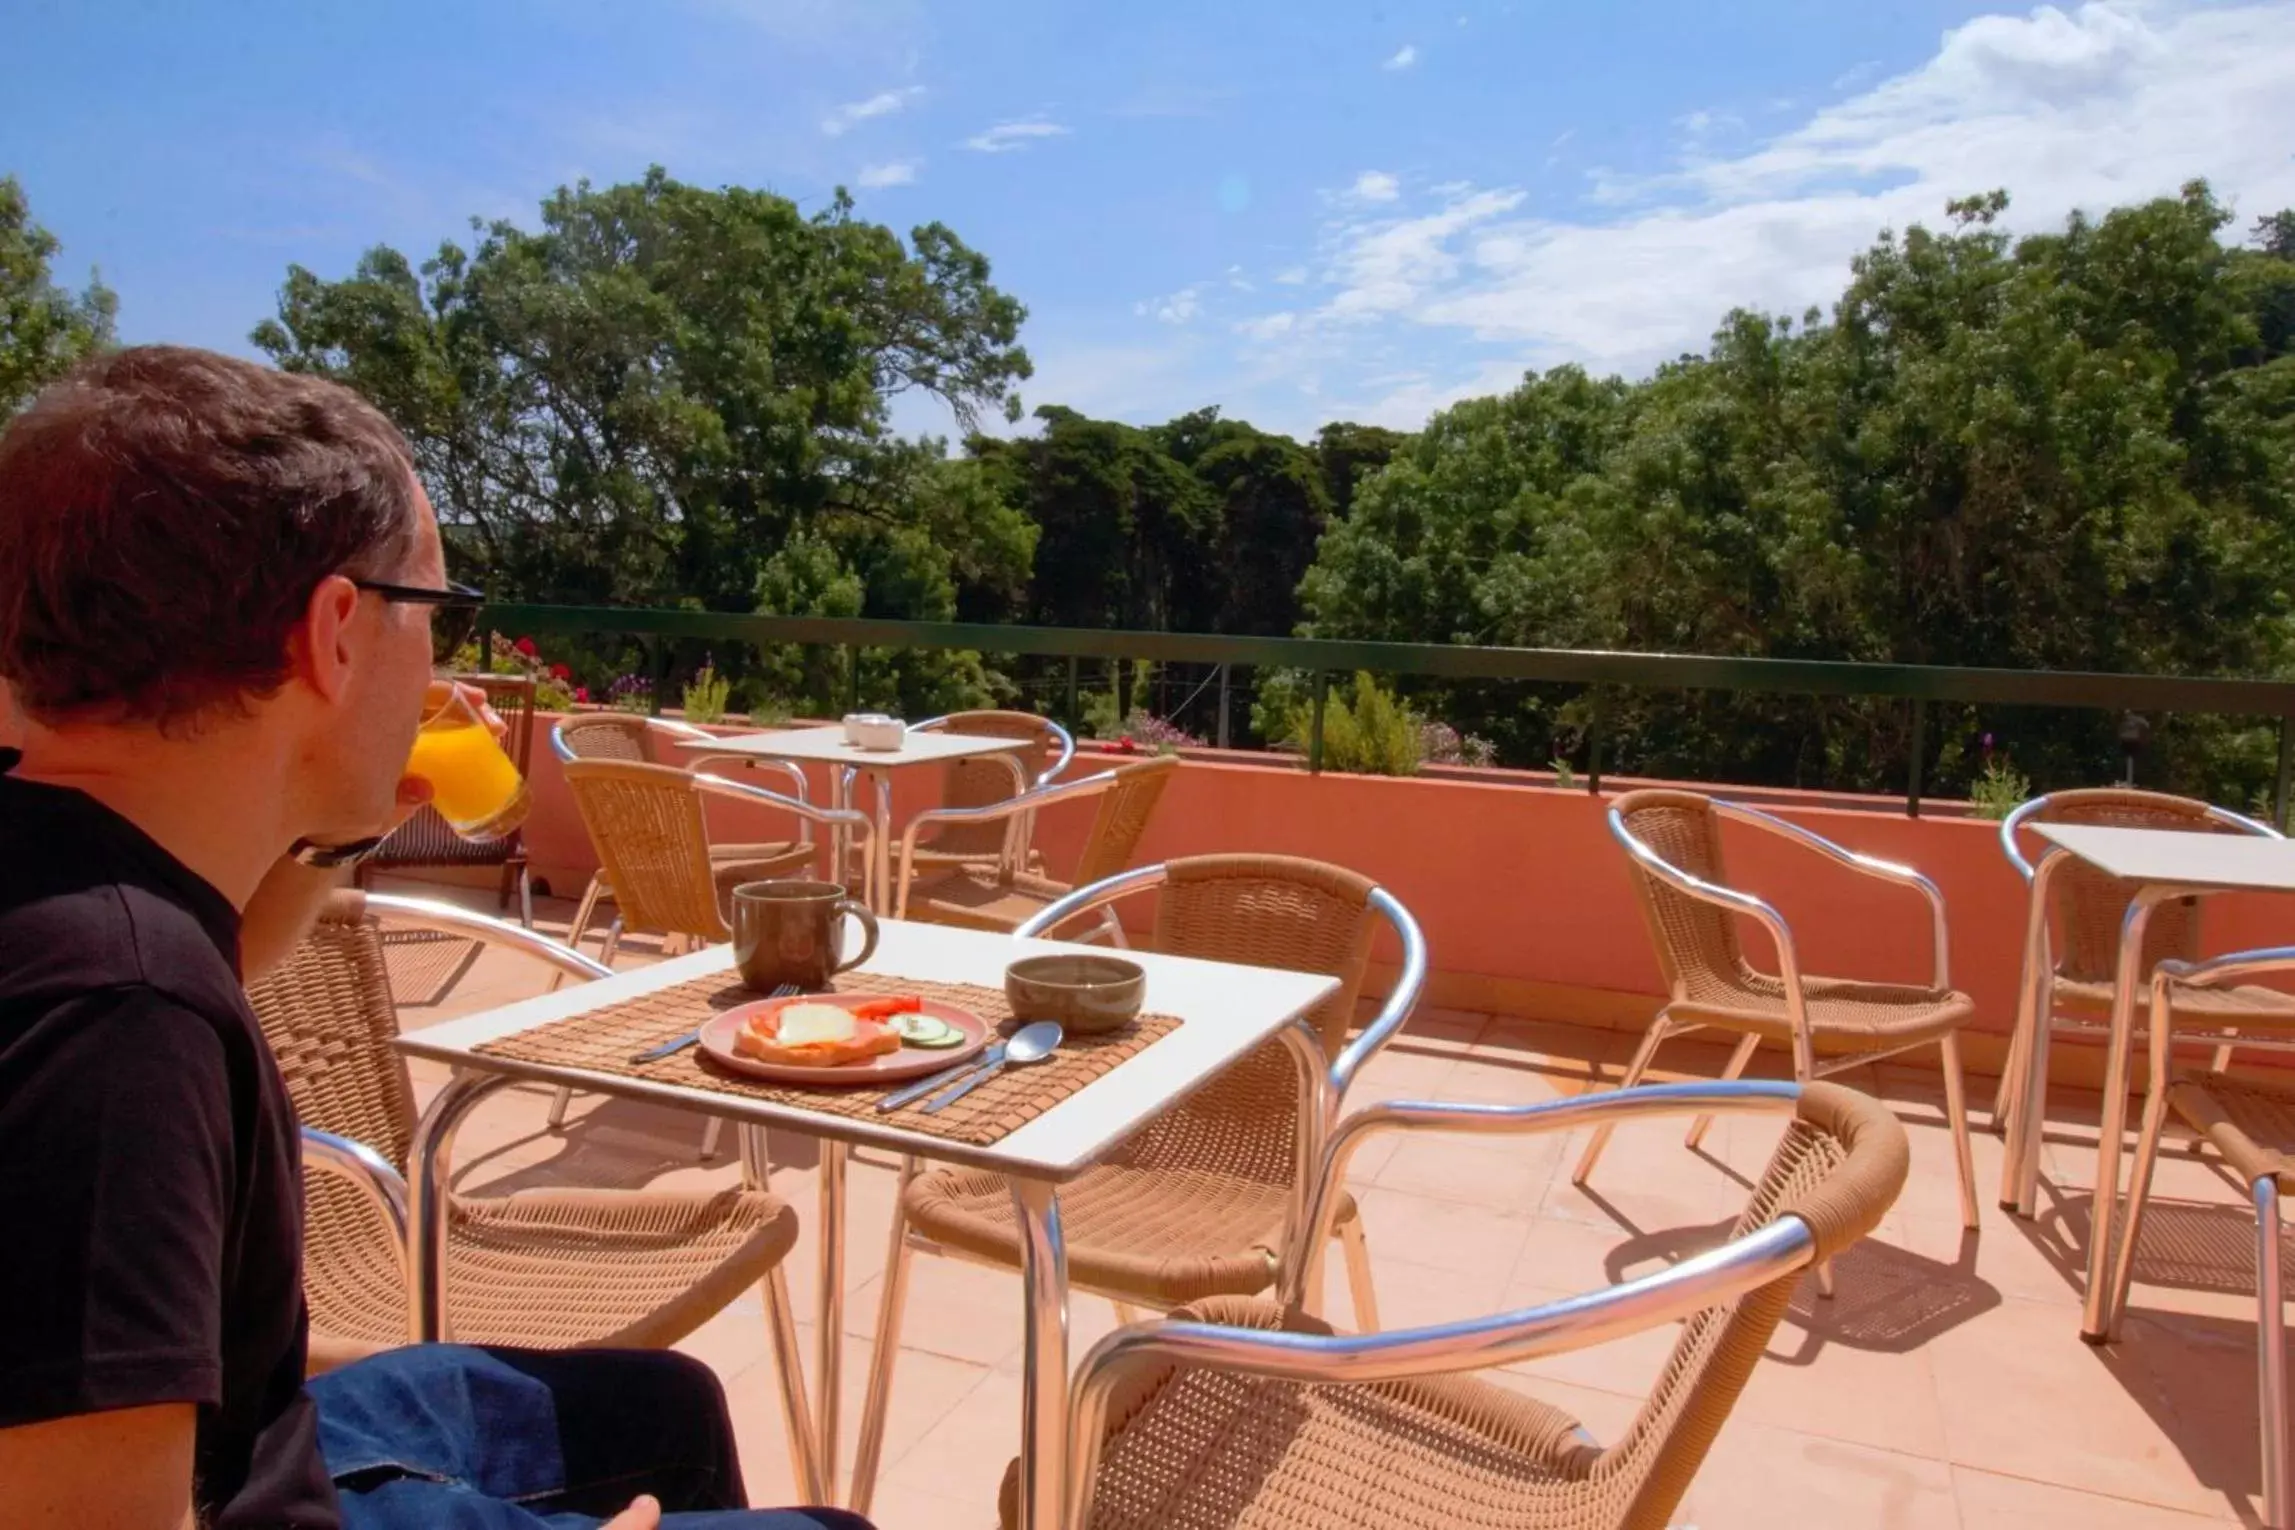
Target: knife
923, 1087
678, 1044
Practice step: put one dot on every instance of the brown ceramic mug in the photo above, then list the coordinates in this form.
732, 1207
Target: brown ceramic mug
786, 932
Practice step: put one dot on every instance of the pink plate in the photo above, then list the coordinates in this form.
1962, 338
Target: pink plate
885, 1068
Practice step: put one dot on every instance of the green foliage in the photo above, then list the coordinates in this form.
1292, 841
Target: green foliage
704, 698
1564, 776
44, 329
2073, 451
1999, 788
648, 398
1372, 733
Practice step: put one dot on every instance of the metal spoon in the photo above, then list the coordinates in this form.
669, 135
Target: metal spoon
1029, 1044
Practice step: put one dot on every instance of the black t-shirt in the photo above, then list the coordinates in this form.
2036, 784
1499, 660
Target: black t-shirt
149, 1198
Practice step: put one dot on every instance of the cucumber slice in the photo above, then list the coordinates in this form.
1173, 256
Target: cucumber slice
925, 1031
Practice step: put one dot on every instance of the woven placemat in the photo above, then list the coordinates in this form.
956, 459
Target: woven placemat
604, 1040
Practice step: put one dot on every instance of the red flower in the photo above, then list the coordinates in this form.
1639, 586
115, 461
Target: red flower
581, 693
525, 645
1126, 745
560, 672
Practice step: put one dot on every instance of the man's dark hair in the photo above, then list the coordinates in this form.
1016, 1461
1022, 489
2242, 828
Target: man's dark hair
165, 514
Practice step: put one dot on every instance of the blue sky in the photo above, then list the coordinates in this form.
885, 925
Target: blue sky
1297, 211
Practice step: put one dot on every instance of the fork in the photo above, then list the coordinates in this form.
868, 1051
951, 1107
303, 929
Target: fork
678, 1044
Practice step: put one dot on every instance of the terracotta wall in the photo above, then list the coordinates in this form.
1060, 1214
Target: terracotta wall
1521, 892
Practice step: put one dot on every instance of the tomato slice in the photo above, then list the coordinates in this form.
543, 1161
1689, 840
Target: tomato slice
885, 1008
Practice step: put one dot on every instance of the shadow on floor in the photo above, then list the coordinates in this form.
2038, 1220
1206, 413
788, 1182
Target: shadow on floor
606, 1144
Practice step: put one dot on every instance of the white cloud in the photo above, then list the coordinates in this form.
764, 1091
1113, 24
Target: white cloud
1375, 186
898, 172
1404, 57
1006, 137
1268, 326
1179, 308
883, 104
1292, 276
2092, 107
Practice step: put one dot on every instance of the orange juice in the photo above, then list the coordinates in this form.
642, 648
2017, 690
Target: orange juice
472, 782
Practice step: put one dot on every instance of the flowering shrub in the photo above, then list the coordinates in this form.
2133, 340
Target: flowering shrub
1999, 786
1144, 732
553, 683
1441, 744
630, 693
705, 695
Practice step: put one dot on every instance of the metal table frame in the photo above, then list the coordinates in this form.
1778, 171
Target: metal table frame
1055, 1147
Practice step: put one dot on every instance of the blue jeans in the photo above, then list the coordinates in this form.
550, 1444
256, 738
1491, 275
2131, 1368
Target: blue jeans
449, 1437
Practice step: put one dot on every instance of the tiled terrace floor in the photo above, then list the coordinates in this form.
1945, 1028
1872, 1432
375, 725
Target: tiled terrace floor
1945, 1385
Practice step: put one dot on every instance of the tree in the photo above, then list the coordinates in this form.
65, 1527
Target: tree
44, 329
1350, 453
2053, 453
667, 395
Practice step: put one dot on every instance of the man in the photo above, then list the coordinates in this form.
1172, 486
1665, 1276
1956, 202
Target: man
217, 590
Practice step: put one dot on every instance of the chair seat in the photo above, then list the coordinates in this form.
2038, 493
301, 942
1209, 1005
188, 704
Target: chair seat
1160, 1235
2245, 1006
1867, 1016
1197, 1449
974, 898
2251, 1124
552, 1269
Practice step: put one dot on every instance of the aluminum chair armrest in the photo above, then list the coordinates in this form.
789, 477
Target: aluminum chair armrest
1392, 1015
2232, 967
382, 1185
904, 869
1758, 910
1083, 900
1705, 1280
1866, 865
434, 914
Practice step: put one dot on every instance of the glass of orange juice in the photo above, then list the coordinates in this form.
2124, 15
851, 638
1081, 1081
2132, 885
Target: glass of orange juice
473, 785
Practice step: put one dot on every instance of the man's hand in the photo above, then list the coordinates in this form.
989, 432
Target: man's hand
644, 1513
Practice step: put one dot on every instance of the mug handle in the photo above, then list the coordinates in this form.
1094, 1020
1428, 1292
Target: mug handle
868, 921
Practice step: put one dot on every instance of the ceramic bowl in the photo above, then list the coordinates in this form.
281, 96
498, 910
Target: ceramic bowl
874, 730
1084, 993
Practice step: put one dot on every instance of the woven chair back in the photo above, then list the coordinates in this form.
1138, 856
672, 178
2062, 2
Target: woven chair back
609, 736
426, 839
2089, 905
1273, 911
1266, 911
986, 782
1124, 810
1696, 942
1839, 1167
328, 1014
645, 823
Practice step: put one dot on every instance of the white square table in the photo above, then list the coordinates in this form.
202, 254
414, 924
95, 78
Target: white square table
1225, 1011
2164, 864
827, 746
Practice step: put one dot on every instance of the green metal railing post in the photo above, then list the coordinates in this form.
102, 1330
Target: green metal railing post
853, 680
1919, 749
1223, 707
1594, 727
485, 651
657, 666
1315, 726
2286, 768
1075, 718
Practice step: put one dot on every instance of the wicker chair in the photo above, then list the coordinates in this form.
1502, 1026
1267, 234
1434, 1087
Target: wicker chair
426, 839
654, 741
1200, 1202
2252, 1124
2077, 997
1244, 1412
989, 779
539, 1268
1003, 895
1672, 841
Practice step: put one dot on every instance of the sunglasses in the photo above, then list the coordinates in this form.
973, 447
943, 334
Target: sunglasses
454, 608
